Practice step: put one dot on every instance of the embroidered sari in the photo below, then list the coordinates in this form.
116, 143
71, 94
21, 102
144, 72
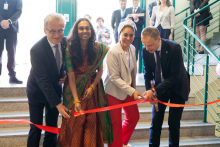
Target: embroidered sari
90, 130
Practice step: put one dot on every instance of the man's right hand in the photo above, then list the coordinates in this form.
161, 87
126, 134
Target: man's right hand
63, 110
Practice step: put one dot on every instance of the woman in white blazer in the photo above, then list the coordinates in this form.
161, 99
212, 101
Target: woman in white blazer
165, 19
120, 84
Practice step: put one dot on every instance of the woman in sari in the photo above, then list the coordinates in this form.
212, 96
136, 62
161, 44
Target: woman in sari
84, 90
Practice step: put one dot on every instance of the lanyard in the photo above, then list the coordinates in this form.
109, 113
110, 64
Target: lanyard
129, 58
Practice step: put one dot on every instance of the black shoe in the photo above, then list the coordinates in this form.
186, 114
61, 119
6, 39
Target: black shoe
201, 52
14, 80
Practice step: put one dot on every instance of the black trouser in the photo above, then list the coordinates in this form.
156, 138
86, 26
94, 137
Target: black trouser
137, 43
36, 117
157, 118
11, 43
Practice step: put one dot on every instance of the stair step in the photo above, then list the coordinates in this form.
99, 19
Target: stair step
10, 137
189, 113
14, 104
14, 91
184, 142
187, 129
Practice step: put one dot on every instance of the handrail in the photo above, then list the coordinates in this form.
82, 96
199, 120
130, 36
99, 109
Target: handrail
185, 20
182, 11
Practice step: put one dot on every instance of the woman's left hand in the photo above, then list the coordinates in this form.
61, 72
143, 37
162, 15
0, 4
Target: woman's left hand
88, 94
171, 37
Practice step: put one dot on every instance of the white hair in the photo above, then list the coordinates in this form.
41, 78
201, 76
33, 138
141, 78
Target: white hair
54, 17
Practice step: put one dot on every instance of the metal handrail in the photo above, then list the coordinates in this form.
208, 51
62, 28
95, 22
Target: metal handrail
190, 37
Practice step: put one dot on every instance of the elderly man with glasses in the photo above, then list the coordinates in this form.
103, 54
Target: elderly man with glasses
44, 86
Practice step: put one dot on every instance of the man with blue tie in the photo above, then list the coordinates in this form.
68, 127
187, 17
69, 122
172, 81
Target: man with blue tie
163, 63
116, 18
139, 21
44, 86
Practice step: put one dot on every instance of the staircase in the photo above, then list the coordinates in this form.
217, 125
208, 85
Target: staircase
194, 133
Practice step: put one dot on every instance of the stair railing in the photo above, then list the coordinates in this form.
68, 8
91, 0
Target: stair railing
201, 66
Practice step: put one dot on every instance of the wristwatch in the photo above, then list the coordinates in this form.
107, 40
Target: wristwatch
10, 22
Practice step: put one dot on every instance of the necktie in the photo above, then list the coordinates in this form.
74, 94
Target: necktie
134, 10
57, 55
158, 71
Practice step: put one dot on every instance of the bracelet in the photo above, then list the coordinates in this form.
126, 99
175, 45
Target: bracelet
77, 101
97, 80
93, 88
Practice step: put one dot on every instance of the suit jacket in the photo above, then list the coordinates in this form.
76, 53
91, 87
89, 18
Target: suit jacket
119, 78
168, 20
150, 8
43, 81
116, 19
140, 22
174, 73
13, 13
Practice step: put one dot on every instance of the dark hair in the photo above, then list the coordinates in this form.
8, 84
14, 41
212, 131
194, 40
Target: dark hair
73, 42
99, 19
168, 3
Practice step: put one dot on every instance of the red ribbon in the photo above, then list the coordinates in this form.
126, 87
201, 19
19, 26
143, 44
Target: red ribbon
136, 102
57, 130
45, 128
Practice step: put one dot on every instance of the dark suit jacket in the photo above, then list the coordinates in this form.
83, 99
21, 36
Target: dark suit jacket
140, 22
13, 13
116, 19
174, 73
43, 81
150, 8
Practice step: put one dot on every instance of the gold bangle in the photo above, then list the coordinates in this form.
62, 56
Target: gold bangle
77, 101
97, 80
92, 87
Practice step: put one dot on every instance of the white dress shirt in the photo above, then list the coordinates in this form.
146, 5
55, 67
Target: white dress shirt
54, 51
130, 60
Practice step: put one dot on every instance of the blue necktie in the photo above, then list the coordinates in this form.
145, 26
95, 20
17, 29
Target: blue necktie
57, 55
158, 71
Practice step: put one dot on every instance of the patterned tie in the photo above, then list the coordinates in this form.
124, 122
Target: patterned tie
134, 10
57, 54
158, 71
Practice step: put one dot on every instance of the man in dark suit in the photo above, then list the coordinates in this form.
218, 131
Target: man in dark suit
44, 87
139, 21
10, 12
163, 62
150, 8
116, 18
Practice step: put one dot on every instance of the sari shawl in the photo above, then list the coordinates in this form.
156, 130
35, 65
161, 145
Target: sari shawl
81, 81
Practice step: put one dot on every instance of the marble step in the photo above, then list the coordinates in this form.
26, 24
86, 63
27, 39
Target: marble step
21, 103
13, 91
210, 141
18, 136
188, 129
189, 113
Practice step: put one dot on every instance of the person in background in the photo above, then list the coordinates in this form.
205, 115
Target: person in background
120, 84
10, 12
44, 86
88, 17
202, 21
139, 22
102, 33
163, 63
150, 7
84, 90
116, 18
165, 19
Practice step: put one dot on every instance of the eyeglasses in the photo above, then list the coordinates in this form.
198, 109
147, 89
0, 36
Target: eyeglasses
54, 32
85, 28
